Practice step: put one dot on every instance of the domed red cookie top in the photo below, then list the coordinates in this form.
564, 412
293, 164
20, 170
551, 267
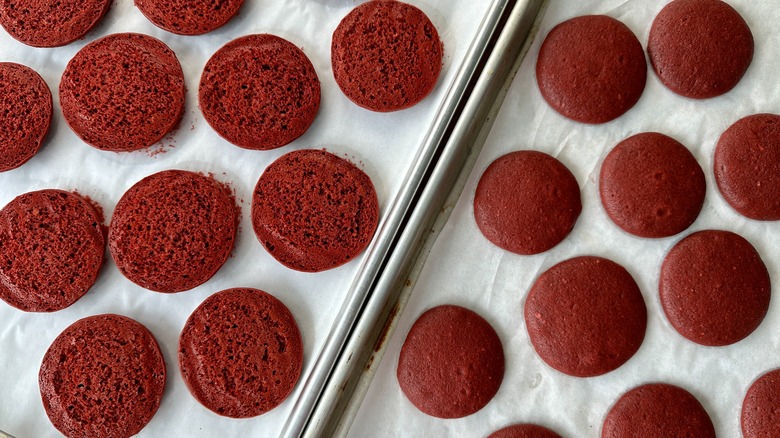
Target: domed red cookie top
25, 114
714, 287
386, 55
240, 353
585, 316
103, 376
761, 407
51, 250
526, 202
173, 230
123, 92
657, 410
451, 363
189, 17
651, 185
591, 69
747, 166
259, 92
524, 431
700, 48
314, 211
50, 23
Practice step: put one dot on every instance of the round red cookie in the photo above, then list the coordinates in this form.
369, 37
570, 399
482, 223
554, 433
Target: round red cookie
700, 48
585, 316
51, 250
714, 288
103, 376
240, 353
747, 166
386, 55
761, 407
524, 431
50, 23
173, 230
259, 92
123, 92
526, 202
25, 114
652, 186
657, 410
189, 17
591, 69
313, 211
451, 363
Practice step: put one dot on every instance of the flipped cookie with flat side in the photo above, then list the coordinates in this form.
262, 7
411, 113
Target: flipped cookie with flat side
173, 230
189, 17
451, 363
51, 23
51, 250
591, 69
386, 55
25, 114
123, 92
314, 211
240, 353
103, 376
700, 48
259, 92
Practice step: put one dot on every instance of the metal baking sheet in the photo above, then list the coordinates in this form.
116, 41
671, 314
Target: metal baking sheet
389, 147
459, 266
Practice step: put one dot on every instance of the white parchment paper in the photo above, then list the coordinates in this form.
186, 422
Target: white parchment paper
465, 269
382, 144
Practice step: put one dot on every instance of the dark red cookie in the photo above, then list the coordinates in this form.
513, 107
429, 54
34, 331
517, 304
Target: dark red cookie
51, 250
123, 92
651, 185
25, 114
240, 353
657, 410
591, 69
102, 377
761, 407
314, 211
747, 166
386, 55
524, 431
50, 23
526, 202
189, 17
173, 230
585, 316
700, 48
259, 92
714, 288
452, 362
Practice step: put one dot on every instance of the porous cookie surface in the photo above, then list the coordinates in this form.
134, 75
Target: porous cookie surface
259, 92
451, 363
747, 166
526, 202
524, 431
25, 114
657, 410
714, 287
240, 353
386, 55
189, 17
651, 185
314, 211
51, 250
123, 92
700, 48
761, 407
591, 69
102, 377
50, 23
585, 316
173, 230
